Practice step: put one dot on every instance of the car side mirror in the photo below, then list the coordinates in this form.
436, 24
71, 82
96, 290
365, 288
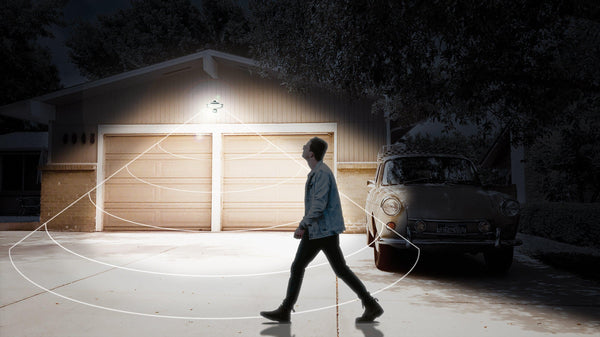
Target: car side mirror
371, 183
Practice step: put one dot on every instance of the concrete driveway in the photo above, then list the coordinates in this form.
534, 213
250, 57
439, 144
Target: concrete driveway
214, 284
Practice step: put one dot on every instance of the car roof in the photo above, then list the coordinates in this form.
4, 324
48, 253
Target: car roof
421, 154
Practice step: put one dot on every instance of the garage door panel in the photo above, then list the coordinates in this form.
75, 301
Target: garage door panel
264, 168
249, 144
186, 168
129, 192
266, 191
129, 144
140, 216
263, 185
126, 190
192, 144
191, 216
254, 216
174, 182
113, 165
167, 218
177, 207
176, 196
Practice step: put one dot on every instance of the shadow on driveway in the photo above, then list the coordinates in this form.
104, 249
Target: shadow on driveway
529, 293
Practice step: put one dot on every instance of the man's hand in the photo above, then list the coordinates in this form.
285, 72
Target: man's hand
299, 233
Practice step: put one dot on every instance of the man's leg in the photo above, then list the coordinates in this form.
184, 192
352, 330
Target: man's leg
336, 259
334, 255
307, 250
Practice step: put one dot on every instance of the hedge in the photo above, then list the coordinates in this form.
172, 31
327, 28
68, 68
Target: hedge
573, 223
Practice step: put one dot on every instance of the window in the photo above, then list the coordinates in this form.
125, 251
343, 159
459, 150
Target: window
407, 170
19, 172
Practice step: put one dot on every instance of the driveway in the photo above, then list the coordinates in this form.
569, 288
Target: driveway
214, 284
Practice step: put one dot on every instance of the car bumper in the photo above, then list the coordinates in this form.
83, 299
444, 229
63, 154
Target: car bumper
449, 244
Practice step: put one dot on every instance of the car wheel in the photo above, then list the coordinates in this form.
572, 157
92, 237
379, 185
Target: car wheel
499, 260
382, 255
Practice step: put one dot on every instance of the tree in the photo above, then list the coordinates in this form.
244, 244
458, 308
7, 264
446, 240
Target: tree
227, 24
567, 157
27, 69
153, 31
456, 61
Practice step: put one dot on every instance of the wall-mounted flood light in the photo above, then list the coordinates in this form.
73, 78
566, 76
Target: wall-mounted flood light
214, 105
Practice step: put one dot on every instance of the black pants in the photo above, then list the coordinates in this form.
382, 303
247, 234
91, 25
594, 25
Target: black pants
307, 251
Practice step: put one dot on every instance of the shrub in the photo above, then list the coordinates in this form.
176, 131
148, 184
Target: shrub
573, 223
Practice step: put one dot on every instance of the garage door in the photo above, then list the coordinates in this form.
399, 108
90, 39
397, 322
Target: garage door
168, 187
262, 186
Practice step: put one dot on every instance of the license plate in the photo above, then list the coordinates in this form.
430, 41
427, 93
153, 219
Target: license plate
451, 229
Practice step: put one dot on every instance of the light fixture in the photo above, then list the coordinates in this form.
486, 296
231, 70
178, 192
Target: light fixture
214, 105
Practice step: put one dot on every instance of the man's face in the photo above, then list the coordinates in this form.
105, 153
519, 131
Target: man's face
306, 153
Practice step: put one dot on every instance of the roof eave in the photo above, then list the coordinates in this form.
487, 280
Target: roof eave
205, 54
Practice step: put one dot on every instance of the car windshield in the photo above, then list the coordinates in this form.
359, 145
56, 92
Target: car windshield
419, 170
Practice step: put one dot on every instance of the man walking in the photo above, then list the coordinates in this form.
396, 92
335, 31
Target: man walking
319, 231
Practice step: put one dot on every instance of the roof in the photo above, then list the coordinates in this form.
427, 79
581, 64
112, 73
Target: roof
23, 141
41, 109
399, 150
204, 59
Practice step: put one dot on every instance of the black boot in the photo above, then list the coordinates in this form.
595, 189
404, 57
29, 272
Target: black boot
281, 314
372, 311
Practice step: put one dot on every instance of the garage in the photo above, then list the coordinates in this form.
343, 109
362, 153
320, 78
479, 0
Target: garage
167, 187
263, 180
231, 161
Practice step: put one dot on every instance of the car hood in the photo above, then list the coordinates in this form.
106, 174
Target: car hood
447, 201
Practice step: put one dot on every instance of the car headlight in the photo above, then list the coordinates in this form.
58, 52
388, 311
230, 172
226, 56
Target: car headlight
391, 206
510, 207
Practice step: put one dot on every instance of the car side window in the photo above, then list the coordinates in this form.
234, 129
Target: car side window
377, 174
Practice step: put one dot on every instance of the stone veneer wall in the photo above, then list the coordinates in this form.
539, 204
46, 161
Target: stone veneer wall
352, 182
61, 185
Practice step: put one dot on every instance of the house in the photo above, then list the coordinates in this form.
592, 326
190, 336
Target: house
200, 143
508, 163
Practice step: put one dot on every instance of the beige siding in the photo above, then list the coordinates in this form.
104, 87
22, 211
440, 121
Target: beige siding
264, 180
169, 186
246, 97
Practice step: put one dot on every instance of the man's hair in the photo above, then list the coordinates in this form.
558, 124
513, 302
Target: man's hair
318, 146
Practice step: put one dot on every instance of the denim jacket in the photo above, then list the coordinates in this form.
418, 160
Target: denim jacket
322, 208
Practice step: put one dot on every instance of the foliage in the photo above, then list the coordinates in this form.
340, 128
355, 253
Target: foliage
27, 69
153, 31
567, 156
473, 147
573, 223
228, 25
468, 61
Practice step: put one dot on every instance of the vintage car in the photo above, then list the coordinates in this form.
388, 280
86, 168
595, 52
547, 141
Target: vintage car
437, 202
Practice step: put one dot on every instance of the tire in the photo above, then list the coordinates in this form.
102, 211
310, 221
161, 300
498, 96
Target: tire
382, 255
499, 260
